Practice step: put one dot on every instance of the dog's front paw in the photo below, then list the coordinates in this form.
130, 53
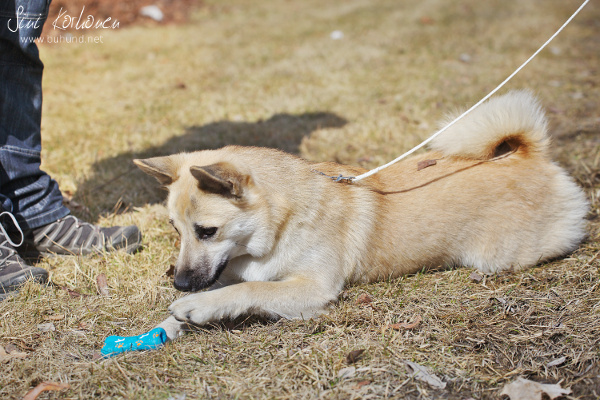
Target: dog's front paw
194, 309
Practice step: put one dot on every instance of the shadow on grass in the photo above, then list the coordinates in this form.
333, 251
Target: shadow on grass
116, 185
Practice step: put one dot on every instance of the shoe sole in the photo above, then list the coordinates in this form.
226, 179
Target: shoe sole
13, 281
131, 244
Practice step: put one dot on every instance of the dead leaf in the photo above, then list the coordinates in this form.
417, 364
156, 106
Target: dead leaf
11, 348
427, 21
364, 299
54, 317
362, 383
425, 163
555, 110
354, 356
74, 294
11, 351
18, 354
558, 361
346, 373
170, 271
367, 300
47, 327
102, 285
44, 386
475, 277
524, 389
406, 325
424, 374
178, 397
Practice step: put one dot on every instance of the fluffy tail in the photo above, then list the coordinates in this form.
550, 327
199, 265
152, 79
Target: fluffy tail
512, 122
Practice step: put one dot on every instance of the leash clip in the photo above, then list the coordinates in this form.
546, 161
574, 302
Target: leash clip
343, 179
339, 178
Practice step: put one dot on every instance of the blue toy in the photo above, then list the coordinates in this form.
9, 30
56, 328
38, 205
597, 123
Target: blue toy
114, 345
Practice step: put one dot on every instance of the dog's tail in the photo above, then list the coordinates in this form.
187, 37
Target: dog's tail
514, 122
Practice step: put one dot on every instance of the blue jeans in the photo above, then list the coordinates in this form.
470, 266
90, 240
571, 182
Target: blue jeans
25, 190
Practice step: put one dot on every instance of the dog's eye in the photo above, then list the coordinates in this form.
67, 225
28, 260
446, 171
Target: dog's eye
204, 233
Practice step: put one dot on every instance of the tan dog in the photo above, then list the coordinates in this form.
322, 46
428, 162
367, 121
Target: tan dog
269, 235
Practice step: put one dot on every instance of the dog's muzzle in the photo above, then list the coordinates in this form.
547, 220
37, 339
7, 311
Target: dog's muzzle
193, 280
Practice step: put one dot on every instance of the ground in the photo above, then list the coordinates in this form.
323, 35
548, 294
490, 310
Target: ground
270, 73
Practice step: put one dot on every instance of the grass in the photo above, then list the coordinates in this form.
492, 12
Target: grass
267, 73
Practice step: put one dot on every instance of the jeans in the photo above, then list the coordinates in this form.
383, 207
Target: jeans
25, 190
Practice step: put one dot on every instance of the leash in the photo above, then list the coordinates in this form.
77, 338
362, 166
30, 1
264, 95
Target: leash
351, 179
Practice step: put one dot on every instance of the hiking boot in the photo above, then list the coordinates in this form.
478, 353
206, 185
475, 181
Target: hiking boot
14, 271
70, 236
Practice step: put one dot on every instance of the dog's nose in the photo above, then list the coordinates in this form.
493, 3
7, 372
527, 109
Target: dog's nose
182, 282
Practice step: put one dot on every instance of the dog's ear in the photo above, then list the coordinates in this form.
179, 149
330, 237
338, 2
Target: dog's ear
220, 178
163, 169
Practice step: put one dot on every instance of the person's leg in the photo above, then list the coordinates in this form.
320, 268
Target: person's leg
25, 190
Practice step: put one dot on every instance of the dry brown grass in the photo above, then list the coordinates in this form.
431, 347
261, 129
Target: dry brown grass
267, 73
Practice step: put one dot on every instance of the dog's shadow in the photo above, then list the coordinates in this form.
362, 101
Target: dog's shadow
115, 185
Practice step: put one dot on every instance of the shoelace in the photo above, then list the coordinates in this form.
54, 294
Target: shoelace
14, 220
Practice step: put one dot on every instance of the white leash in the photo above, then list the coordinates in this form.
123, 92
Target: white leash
376, 170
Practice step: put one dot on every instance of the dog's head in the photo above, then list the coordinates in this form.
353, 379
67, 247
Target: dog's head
216, 211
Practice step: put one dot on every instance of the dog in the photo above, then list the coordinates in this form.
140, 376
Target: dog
269, 233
